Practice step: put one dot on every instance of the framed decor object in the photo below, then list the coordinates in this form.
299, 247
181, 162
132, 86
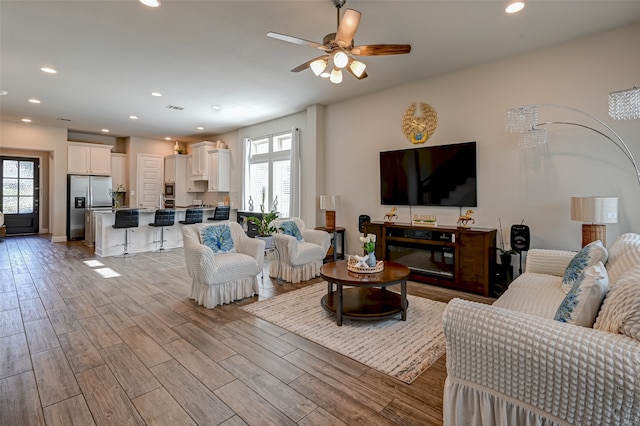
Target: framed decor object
424, 220
419, 129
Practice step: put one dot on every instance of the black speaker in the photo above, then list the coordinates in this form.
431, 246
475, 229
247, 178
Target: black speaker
362, 219
520, 238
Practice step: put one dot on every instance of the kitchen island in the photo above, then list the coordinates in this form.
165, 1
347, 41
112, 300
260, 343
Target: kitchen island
110, 241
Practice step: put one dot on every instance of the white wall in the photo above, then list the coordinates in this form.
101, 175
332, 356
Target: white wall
471, 106
48, 139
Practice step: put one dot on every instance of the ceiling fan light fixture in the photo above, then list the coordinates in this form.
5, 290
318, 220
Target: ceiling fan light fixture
340, 59
325, 74
514, 6
357, 68
318, 66
336, 76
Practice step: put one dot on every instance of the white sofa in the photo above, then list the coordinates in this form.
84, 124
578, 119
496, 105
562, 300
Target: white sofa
511, 363
222, 277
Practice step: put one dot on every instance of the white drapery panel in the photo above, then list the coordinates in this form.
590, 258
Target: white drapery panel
294, 206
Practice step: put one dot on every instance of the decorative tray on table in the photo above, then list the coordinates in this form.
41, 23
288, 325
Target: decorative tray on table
355, 264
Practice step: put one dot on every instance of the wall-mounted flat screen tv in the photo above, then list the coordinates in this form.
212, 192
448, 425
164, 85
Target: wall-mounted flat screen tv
442, 175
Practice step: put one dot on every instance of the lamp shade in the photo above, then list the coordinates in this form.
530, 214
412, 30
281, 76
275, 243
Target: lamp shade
329, 202
594, 209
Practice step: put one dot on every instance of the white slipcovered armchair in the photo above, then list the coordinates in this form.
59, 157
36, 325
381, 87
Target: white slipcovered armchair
300, 259
225, 276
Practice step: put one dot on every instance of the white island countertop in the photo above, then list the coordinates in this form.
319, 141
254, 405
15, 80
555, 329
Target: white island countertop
144, 238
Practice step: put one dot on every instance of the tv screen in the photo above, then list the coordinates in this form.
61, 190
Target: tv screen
442, 175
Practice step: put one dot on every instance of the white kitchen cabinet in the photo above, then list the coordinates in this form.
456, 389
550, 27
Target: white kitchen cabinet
119, 169
88, 159
194, 185
199, 165
170, 169
184, 186
219, 170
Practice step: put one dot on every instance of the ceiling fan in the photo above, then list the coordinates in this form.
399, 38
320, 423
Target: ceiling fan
339, 48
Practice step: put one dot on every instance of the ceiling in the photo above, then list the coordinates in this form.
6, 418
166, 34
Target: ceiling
111, 54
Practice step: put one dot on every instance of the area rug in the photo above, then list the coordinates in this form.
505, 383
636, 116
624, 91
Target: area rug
400, 349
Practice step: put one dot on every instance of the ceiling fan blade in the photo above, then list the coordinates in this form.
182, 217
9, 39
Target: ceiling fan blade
381, 49
307, 64
347, 28
296, 40
363, 75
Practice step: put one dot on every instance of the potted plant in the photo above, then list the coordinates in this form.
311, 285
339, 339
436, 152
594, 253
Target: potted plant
265, 227
505, 251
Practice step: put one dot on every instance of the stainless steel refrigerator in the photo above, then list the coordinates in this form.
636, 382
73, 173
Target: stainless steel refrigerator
85, 193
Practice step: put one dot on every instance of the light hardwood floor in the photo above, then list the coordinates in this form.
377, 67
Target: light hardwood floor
80, 348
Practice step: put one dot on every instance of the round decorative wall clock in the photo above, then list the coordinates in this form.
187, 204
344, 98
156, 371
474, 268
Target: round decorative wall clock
419, 129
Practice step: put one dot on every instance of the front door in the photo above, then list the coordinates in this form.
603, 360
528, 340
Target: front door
19, 194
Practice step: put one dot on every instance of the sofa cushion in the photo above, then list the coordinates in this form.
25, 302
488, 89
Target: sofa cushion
290, 228
624, 262
582, 303
620, 312
217, 238
534, 294
621, 245
589, 255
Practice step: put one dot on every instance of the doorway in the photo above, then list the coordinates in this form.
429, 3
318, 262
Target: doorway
19, 194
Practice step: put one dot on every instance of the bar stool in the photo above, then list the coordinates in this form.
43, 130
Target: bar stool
163, 219
221, 213
192, 216
126, 219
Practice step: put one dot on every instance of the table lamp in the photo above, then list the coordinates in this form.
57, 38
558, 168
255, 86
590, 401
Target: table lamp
328, 203
595, 211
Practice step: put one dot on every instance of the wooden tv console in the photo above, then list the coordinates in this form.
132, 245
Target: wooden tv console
457, 258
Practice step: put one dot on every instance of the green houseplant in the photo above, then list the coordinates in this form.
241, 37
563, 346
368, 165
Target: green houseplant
264, 225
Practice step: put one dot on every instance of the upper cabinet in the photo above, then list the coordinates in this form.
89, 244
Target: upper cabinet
219, 170
119, 169
199, 162
170, 169
88, 159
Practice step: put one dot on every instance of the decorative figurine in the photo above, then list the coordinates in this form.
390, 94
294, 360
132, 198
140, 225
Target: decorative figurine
361, 261
250, 203
391, 215
464, 220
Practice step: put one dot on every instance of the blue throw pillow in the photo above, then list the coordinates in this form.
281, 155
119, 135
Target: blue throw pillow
582, 303
590, 254
290, 228
217, 238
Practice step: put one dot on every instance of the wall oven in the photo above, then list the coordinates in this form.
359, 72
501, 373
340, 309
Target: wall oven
170, 190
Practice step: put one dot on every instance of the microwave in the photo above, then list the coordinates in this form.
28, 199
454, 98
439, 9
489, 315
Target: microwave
169, 190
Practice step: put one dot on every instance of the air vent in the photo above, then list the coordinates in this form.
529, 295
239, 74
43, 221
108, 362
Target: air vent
175, 107
63, 119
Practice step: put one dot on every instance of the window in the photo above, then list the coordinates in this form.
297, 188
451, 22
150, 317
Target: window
268, 174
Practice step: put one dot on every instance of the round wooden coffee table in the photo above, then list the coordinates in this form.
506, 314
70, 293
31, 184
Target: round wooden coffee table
366, 297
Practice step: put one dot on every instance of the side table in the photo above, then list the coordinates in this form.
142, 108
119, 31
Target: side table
267, 251
335, 233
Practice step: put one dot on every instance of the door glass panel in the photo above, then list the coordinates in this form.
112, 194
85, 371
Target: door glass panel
26, 169
26, 205
10, 187
26, 187
10, 168
10, 205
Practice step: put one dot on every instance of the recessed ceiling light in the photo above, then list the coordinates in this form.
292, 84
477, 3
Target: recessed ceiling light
48, 70
156, 94
200, 128
34, 101
167, 138
216, 107
514, 6
133, 117
105, 130
26, 120
3, 92
150, 3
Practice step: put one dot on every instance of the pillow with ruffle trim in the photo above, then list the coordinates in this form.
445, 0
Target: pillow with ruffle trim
217, 238
290, 228
589, 255
620, 312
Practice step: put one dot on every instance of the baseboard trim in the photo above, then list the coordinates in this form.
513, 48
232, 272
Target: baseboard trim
58, 238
